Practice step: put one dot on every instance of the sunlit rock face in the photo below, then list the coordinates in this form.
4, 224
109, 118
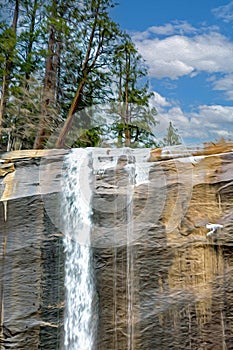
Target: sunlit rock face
31, 259
179, 283
161, 282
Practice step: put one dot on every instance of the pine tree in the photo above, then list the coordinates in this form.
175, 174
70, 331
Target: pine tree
19, 110
24, 111
60, 57
172, 138
135, 116
49, 117
8, 52
99, 34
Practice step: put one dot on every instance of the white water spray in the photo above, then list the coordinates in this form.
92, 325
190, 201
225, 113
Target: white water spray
138, 174
79, 322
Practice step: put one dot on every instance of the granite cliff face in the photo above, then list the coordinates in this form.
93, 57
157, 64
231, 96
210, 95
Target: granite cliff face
162, 281
179, 281
31, 265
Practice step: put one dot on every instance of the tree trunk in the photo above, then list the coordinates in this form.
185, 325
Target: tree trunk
49, 91
31, 39
62, 136
86, 68
127, 117
3, 100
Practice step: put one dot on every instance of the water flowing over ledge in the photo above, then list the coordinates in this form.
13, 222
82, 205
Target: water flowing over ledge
79, 322
160, 278
81, 168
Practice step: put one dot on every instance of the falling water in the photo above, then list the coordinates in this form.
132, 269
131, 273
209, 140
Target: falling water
81, 167
5, 210
79, 319
129, 269
138, 174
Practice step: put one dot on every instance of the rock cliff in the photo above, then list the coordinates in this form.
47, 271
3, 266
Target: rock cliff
179, 282
31, 260
161, 280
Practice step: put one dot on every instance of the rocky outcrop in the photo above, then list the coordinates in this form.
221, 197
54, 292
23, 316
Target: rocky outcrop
176, 278
161, 281
31, 260
209, 148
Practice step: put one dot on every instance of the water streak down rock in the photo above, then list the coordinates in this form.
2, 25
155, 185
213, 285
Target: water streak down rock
181, 284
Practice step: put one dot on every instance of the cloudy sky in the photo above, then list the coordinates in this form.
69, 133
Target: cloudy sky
188, 47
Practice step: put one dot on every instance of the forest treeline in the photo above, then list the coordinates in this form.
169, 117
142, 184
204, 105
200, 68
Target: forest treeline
65, 58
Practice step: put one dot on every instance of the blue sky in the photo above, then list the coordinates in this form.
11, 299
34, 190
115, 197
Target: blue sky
188, 48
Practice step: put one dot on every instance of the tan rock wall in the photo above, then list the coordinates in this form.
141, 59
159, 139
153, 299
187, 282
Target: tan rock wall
171, 287
181, 286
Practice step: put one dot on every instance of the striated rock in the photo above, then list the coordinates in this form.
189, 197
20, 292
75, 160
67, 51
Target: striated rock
177, 281
31, 260
171, 152
161, 282
6, 168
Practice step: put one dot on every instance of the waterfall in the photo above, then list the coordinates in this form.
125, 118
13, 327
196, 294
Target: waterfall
138, 174
80, 169
131, 169
79, 322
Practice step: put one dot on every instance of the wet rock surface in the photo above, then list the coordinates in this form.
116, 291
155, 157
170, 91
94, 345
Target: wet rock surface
161, 282
177, 279
31, 260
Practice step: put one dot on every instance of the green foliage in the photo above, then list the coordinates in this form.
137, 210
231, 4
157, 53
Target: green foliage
88, 59
132, 93
7, 49
104, 121
86, 46
88, 138
22, 113
114, 136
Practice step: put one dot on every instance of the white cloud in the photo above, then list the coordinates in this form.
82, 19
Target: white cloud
173, 28
224, 12
172, 52
224, 84
215, 114
211, 122
229, 95
179, 55
177, 27
208, 122
167, 29
159, 101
